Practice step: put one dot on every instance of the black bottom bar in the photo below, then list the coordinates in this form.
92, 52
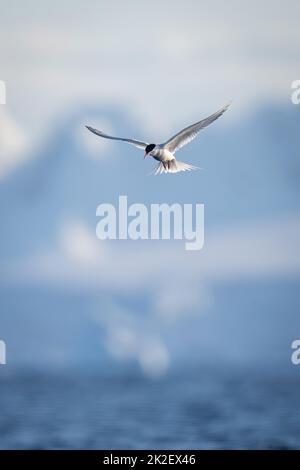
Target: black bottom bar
133, 459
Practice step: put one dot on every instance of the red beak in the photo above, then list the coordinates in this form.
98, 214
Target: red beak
145, 155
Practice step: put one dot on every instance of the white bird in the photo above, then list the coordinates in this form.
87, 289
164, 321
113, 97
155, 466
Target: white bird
164, 153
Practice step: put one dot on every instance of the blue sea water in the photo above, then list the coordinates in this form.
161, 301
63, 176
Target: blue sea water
195, 409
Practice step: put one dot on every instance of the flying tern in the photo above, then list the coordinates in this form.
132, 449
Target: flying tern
164, 153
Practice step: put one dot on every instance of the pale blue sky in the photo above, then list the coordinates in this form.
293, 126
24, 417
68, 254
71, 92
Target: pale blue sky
165, 66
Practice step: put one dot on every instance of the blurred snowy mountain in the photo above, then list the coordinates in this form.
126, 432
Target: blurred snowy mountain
251, 173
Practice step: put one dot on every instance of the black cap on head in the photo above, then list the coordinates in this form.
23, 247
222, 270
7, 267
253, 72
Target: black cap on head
149, 148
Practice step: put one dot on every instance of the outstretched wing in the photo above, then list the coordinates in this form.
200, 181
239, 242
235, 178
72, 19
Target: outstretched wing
189, 133
137, 143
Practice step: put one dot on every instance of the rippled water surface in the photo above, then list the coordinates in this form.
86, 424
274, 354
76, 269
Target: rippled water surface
196, 409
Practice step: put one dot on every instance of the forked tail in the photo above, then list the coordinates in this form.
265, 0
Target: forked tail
173, 166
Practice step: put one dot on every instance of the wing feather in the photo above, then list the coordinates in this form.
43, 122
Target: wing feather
136, 143
189, 133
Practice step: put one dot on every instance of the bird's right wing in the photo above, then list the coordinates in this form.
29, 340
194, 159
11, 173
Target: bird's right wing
189, 133
137, 143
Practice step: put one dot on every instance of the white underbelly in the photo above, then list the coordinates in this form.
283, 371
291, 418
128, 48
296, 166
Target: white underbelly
162, 155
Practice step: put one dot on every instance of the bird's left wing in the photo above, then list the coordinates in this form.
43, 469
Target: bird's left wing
137, 143
189, 133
